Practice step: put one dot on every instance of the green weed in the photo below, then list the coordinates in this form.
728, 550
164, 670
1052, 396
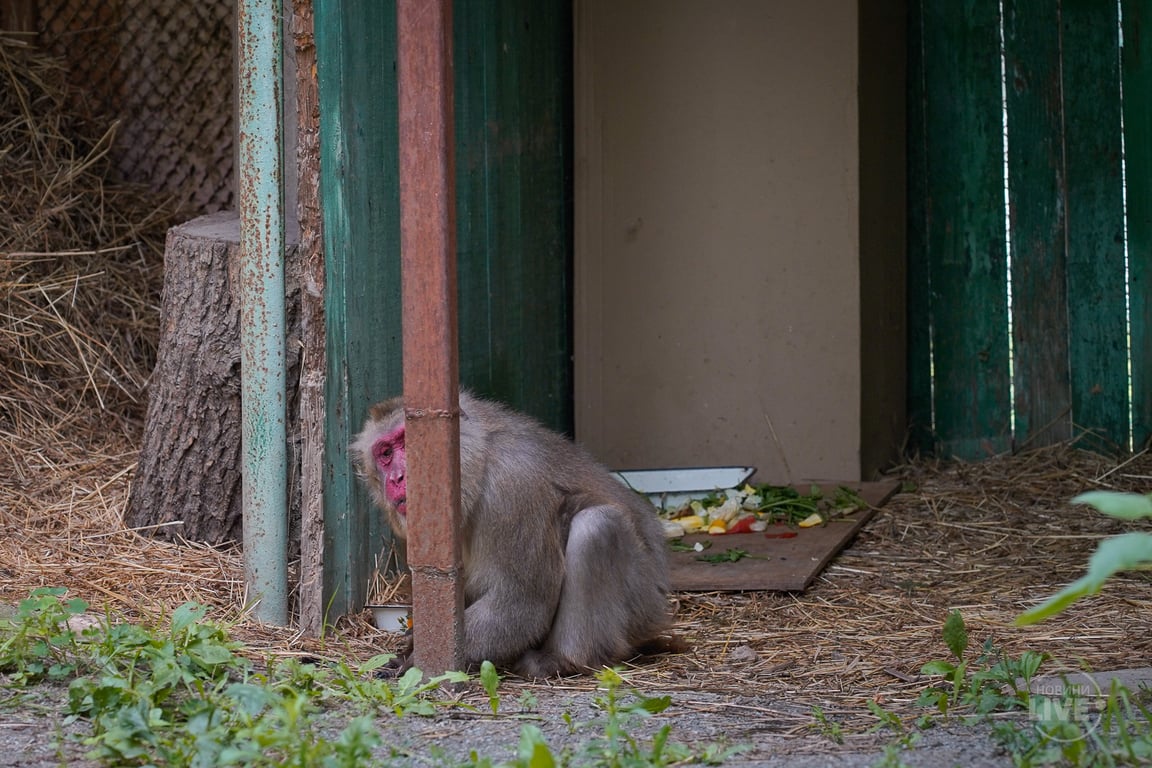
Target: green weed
490, 679
1126, 552
826, 726
906, 738
184, 696
992, 682
1069, 727
37, 642
613, 744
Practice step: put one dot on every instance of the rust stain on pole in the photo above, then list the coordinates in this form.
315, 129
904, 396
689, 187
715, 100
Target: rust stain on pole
431, 386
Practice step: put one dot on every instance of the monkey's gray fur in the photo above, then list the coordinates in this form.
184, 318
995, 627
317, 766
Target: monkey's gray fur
565, 568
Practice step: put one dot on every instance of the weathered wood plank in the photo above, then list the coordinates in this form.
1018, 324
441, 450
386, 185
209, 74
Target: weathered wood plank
1096, 301
356, 57
1137, 80
965, 227
1037, 220
788, 559
514, 181
313, 341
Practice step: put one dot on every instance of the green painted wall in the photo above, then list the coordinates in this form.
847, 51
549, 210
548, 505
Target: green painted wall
1069, 329
1137, 82
514, 180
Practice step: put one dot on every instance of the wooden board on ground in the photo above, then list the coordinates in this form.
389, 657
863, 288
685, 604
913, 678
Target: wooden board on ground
774, 563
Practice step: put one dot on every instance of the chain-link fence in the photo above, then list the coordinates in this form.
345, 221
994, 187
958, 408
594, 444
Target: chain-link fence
164, 68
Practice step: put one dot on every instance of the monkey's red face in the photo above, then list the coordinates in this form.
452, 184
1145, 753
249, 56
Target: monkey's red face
388, 452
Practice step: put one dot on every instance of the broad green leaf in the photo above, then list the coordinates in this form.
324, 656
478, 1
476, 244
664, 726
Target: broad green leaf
250, 698
938, 668
376, 662
956, 634
185, 616
541, 757
410, 680
654, 705
1126, 506
451, 676
531, 743
210, 654
1030, 662
76, 605
1126, 552
490, 679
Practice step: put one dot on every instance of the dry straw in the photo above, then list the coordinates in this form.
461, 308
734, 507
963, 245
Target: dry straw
80, 260
78, 286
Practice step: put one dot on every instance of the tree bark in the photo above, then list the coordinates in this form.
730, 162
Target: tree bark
188, 482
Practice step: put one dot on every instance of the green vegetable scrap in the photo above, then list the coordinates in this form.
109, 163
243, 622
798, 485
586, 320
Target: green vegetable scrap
730, 555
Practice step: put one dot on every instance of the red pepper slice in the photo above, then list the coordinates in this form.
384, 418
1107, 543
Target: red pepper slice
743, 525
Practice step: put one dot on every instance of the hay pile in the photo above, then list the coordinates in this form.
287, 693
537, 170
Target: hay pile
80, 262
81, 271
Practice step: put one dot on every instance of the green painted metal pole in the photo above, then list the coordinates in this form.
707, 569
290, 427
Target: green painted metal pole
262, 352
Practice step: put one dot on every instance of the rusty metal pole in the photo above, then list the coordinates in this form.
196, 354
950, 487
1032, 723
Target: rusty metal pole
262, 318
431, 370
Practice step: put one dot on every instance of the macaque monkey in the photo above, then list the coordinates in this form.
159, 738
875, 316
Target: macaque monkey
564, 567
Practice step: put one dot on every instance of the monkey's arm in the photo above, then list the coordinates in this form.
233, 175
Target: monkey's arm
512, 588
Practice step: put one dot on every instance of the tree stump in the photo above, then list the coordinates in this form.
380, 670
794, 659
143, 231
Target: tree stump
188, 479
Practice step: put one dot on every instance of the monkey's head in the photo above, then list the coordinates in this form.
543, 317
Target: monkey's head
380, 457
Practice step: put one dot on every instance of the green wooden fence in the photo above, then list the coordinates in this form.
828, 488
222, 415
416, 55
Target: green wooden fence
1038, 331
513, 61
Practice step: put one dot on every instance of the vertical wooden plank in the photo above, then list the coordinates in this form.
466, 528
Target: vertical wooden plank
473, 59
1096, 308
920, 417
1137, 80
514, 182
1037, 219
313, 341
965, 227
356, 57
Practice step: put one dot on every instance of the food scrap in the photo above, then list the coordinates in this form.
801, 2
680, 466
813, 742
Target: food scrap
752, 509
730, 555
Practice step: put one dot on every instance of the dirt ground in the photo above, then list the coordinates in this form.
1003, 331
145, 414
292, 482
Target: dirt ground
32, 736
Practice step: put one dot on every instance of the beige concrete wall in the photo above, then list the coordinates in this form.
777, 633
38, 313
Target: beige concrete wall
718, 303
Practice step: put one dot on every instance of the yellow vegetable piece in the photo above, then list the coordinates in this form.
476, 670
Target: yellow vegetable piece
691, 523
718, 526
813, 519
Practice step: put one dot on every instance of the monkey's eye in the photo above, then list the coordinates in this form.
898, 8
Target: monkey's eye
383, 453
